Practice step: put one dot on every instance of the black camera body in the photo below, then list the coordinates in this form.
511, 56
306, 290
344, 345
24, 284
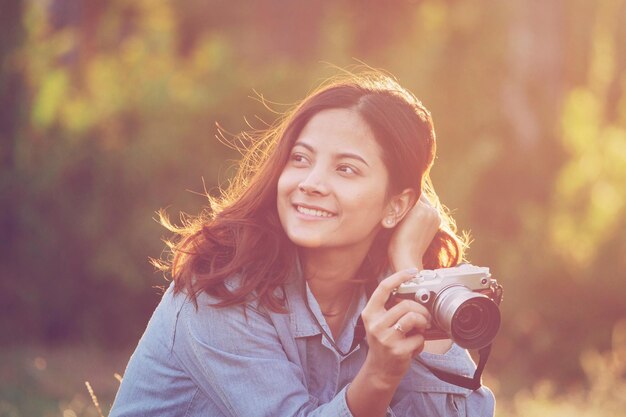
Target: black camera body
463, 301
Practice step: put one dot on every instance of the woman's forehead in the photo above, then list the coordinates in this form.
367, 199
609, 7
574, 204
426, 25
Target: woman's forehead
341, 131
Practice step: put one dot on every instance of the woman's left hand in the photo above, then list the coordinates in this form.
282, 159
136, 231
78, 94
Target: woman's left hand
413, 235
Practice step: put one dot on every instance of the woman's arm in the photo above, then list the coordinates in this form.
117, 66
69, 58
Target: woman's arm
391, 349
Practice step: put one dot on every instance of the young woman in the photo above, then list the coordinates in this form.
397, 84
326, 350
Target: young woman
329, 213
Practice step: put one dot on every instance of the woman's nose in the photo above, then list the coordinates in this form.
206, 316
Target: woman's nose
314, 183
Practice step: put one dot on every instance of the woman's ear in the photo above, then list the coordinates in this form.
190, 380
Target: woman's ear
398, 207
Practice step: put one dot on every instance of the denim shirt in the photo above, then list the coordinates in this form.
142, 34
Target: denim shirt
253, 362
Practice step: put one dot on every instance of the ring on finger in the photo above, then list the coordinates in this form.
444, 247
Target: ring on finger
398, 327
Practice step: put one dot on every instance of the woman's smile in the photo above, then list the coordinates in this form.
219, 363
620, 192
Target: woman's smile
312, 212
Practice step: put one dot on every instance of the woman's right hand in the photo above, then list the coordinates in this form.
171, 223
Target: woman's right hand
413, 235
391, 348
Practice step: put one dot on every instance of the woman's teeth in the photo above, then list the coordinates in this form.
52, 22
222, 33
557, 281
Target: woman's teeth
313, 212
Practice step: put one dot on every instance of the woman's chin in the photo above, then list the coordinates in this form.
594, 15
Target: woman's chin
307, 242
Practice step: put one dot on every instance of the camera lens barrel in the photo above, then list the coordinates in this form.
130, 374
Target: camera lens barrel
470, 318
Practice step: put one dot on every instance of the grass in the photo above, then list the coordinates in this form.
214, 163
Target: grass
50, 382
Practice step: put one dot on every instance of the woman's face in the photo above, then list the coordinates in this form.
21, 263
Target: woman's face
332, 191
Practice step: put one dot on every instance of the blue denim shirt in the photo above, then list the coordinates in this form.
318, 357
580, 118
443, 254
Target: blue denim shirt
230, 362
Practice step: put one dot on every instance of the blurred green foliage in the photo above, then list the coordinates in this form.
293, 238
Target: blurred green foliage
109, 113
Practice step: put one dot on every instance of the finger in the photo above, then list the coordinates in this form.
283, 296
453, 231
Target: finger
425, 212
410, 345
411, 322
416, 322
383, 291
402, 308
423, 199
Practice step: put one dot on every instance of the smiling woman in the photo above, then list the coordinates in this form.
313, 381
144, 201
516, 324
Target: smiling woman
279, 301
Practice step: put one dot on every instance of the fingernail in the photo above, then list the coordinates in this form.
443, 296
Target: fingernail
412, 271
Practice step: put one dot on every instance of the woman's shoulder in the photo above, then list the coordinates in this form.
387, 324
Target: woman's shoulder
206, 310
238, 328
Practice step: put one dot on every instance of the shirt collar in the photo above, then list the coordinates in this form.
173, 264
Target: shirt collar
301, 322
305, 324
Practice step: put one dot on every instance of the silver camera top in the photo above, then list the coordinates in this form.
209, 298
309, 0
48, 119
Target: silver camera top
428, 281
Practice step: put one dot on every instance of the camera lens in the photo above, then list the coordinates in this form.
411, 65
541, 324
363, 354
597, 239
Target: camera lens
468, 318
476, 322
471, 319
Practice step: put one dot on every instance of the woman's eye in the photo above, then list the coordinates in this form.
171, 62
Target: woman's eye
347, 169
298, 159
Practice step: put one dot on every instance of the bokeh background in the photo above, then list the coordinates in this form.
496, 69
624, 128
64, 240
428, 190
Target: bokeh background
108, 113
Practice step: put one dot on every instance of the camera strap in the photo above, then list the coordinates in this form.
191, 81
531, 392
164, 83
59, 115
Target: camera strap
473, 383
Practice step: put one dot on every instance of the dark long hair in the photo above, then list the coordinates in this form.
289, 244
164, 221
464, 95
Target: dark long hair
240, 232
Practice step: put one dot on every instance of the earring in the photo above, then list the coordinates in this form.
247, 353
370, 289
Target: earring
389, 221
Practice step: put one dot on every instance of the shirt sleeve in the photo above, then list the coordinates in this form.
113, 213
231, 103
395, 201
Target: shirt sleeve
422, 393
236, 358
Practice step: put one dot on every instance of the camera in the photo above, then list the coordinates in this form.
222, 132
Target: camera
463, 301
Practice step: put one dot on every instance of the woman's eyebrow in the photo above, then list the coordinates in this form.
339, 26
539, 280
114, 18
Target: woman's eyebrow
352, 156
342, 155
304, 145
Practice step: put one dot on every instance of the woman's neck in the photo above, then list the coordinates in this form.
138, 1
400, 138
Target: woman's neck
330, 277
